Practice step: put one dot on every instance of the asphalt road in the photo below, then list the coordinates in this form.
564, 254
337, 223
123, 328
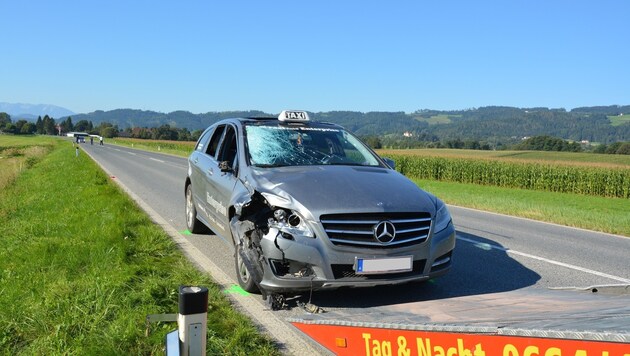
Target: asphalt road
494, 253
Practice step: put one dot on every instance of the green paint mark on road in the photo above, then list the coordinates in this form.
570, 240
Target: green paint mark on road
236, 289
185, 232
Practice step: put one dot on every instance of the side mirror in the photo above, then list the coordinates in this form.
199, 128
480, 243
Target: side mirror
390, 162
224, 166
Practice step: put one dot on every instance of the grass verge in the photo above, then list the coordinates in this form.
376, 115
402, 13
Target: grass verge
18, 153
81, 268
177, 148
611, 215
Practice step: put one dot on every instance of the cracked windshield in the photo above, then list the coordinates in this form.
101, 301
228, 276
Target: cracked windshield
276, 146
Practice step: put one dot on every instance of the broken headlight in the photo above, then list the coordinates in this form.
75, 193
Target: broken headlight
290, 222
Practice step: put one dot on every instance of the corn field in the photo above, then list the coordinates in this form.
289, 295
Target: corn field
605, 182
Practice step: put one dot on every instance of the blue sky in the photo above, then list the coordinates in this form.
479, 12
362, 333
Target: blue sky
203, 56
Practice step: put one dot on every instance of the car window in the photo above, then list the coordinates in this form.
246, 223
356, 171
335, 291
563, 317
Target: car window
214, 141
228, 151
270, 146
203, 141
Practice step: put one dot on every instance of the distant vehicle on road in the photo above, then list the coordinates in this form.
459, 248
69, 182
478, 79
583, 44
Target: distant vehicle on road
308, 206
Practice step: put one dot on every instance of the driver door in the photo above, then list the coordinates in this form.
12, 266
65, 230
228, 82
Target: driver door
223, 181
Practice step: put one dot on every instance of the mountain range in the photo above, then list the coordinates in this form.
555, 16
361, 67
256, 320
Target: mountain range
31, 111
605, 124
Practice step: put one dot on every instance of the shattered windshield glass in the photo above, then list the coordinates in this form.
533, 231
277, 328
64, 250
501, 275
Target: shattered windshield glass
275, 146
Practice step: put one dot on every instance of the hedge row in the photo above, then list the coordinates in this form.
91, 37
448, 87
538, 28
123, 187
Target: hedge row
606, 182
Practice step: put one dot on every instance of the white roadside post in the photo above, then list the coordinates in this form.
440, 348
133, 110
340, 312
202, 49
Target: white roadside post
192, 320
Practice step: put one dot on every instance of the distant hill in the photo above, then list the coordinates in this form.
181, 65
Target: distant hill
592, 124
31, 112
496, 123
126, 118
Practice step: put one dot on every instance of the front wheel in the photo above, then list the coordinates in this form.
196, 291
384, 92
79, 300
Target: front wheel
192, 223
245, 279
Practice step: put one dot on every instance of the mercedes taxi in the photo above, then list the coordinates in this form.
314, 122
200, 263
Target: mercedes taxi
308, 206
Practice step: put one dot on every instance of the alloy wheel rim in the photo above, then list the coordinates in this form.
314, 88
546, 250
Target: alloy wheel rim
242, 270
189, 208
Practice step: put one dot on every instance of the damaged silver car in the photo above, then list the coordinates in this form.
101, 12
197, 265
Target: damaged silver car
308, 206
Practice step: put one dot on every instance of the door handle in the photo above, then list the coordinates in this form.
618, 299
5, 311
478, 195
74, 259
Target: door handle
210, 172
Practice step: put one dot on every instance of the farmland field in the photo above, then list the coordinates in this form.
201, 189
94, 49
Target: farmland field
434, 120
555, 158
543, 176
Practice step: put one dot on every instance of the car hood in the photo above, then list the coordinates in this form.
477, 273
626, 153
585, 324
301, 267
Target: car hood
343, 189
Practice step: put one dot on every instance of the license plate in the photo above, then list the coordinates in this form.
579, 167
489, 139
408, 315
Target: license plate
383, 265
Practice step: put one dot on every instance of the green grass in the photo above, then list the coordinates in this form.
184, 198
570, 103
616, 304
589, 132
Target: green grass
81, 267
18, 153
611, 215
437, 119
619, 120
178, 148
26, 140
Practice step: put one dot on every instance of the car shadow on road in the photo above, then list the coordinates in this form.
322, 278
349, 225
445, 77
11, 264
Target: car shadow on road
479, 267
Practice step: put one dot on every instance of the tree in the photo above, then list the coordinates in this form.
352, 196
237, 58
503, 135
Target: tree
66, 125
28, 128
83, 126
548, 143
49, 125
39, 126
195, 135
4, 119
624, 149
472, 145
373, 141
19, 124
9, 128
183, 135
165, 132
109, 132
612, 148
600, 148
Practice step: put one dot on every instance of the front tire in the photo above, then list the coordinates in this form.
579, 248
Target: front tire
245, 279
192, 223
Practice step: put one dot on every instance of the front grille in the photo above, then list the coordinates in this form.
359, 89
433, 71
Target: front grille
358, 229
346, 272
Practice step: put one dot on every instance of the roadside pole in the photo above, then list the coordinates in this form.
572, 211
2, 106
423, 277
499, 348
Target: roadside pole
192, 320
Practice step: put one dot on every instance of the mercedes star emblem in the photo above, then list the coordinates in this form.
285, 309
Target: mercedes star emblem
384, 232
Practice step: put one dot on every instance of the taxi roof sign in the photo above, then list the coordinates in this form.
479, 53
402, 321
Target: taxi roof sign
293, 116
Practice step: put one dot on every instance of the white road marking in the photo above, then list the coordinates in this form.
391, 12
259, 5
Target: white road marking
132, 153
155, 159
486, 246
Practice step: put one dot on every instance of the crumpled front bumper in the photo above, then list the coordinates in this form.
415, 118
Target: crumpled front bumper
299, 263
